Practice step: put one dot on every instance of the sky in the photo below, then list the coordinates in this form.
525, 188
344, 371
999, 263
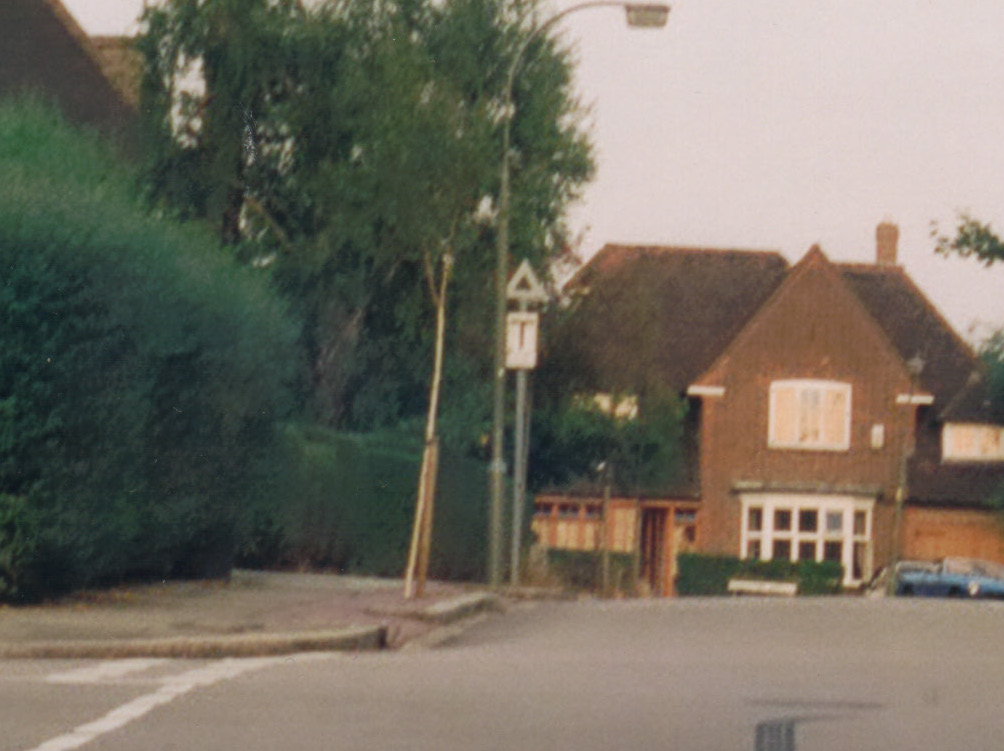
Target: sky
779, 124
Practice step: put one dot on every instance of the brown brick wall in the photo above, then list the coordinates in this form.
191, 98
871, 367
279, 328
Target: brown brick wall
814, 328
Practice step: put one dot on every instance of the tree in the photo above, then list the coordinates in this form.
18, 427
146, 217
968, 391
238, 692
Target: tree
572, 436
352, 148
972, 239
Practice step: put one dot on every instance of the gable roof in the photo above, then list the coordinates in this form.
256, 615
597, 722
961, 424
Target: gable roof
44, 50
817, 264
645, 312
666, 312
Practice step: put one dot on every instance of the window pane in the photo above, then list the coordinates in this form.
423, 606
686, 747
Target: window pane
833, 550
860, 523
807, 551
782, 520
753, 549
810, 416
754, 519
782, 550
834, 521
783, 414
835, 417
860, 551
808, 520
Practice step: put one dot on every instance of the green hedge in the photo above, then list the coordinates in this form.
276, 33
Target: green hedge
701, 574
345, 501
141, 373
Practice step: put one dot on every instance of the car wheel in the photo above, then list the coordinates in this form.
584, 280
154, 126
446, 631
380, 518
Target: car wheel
905, 590
955, 592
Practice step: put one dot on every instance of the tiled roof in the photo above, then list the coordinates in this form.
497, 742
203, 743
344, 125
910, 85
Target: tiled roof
915, 328
43, 49
933, 483
655, 313
647, 312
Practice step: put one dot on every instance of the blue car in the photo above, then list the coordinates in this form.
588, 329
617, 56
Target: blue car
951, 577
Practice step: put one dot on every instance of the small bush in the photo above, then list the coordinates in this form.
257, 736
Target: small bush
701, 574
583, 569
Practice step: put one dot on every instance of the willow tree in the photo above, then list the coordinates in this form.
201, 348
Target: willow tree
343, 146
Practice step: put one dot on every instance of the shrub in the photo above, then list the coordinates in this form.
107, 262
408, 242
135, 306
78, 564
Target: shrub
141, 373
582, 569
701, 574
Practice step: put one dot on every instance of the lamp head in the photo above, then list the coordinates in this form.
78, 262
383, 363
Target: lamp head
647, 15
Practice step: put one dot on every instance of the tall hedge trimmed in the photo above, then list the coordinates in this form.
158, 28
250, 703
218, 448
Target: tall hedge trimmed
141, 373
701, 574
346, 501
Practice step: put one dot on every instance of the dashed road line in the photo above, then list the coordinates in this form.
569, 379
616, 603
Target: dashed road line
105, 671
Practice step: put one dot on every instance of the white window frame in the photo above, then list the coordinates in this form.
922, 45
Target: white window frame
803, 386
822, 505
952, 434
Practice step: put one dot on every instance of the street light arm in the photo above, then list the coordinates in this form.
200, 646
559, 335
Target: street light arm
538, 30
660, 10
643, 15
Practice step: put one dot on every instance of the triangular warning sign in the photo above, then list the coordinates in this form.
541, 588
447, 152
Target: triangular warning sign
525, 286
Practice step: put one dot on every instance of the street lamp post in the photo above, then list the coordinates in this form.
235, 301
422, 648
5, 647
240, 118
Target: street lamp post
638, 16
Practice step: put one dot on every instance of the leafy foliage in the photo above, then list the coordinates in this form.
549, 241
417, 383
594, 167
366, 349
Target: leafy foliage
971, 239
349, 145
141, 372
573, 436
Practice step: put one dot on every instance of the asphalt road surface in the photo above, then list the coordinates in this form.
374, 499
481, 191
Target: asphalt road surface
764, 675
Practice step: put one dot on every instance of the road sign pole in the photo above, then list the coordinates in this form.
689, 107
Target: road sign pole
525, 289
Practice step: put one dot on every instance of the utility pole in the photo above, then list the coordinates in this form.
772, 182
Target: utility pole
637, 15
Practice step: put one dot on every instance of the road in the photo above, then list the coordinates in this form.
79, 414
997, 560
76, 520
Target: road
811, 674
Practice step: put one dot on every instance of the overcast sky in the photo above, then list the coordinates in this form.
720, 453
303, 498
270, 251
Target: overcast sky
777, 124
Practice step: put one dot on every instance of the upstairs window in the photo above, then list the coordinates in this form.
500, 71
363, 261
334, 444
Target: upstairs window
972, 442
811, 415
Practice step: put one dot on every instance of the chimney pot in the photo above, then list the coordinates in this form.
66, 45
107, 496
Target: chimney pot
886, 240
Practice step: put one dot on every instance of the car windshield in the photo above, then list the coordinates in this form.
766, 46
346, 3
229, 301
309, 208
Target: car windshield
957, 566
991, 569
970, 567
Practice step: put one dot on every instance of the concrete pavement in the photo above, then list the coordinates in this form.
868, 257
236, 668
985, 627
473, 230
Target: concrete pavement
255, 613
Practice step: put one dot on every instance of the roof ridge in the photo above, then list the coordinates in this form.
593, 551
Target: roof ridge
815, 257
661, 248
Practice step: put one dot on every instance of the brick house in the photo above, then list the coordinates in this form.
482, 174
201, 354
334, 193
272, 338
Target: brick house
833, 414
44, 51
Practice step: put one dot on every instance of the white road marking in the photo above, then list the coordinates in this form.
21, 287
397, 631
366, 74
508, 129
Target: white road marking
104, 671
171, 689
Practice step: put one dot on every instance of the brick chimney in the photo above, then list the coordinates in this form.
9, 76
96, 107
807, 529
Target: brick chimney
886, 239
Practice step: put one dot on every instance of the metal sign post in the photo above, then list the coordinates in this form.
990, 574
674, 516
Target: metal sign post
521, 356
